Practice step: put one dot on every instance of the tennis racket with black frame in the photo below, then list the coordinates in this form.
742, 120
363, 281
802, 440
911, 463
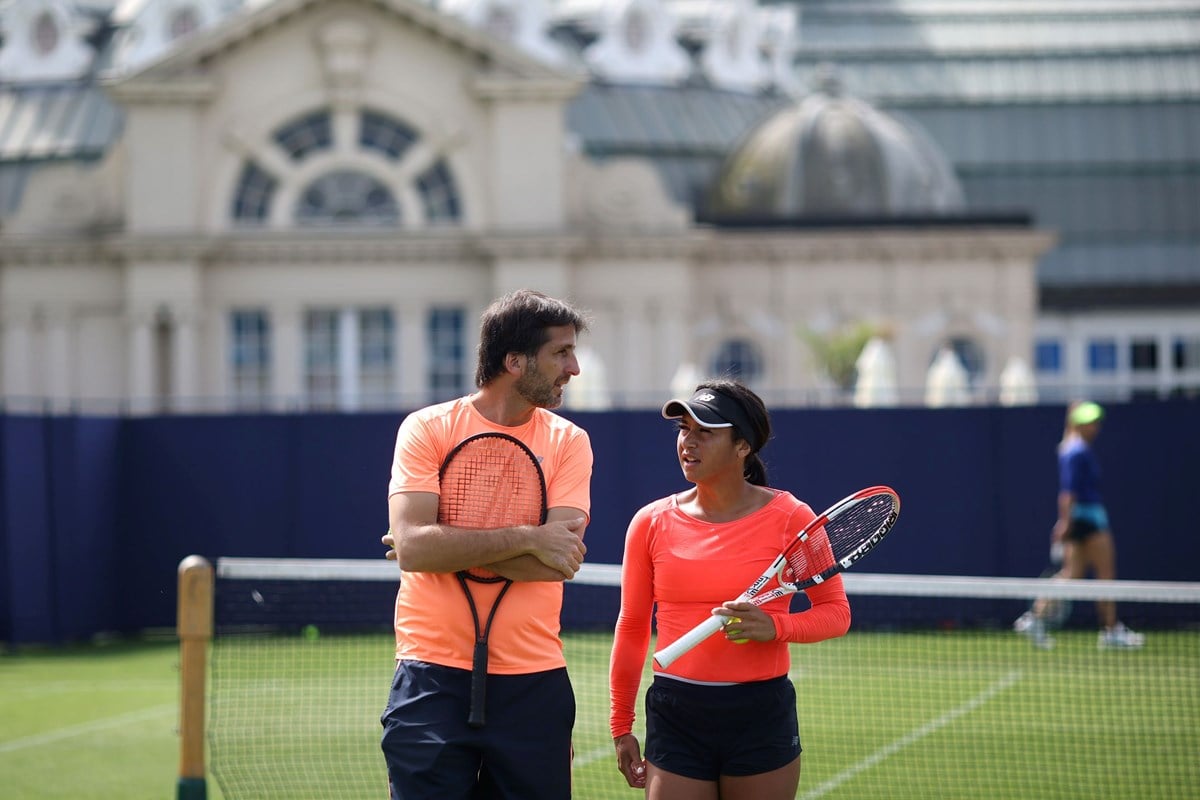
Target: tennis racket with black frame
832, 542
490, 480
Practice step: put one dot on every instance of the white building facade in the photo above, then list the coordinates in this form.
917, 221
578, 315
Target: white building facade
306, 205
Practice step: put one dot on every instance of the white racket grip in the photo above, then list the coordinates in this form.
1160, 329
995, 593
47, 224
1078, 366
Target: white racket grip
695, 636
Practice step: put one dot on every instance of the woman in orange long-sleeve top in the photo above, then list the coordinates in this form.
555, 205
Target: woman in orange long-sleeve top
721, 720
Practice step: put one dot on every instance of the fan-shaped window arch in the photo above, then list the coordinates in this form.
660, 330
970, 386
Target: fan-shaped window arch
386, 135
972, 356
439, 195
345, 196
255, 191
306, 135
348, 196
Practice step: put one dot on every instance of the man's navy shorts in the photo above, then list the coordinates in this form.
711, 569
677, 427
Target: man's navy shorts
703, 732
522, 753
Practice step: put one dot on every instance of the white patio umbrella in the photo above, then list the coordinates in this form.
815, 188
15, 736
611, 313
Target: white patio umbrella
875, 382
684, 381
947, 383
588, 391
1017, 384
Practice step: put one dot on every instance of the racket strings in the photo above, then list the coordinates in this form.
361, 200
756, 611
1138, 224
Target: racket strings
855, 526
491, 483
838, 538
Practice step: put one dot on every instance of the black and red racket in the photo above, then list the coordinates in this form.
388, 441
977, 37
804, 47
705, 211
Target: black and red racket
831, 543
490, 480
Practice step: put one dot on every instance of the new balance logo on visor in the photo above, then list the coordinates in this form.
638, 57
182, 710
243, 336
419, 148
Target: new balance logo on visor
707, 398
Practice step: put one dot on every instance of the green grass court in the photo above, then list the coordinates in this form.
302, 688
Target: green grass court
882, 715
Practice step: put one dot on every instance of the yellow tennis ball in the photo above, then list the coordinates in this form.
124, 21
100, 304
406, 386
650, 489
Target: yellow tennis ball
729, 622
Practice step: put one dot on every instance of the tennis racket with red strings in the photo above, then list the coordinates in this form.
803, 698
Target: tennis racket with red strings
831, 543
488, 481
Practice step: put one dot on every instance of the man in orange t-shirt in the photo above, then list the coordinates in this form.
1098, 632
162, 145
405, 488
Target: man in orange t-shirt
526, 357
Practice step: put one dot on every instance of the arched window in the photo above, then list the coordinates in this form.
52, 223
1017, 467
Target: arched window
382, 134
255, 191
346, 197
738, 358
971, 355
343, 196
438, 194
306, 135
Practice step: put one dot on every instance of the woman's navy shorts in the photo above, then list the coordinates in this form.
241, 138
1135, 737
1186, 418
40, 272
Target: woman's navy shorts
704, 732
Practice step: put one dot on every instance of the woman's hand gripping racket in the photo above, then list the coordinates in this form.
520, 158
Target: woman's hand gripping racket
831, 543
489, 481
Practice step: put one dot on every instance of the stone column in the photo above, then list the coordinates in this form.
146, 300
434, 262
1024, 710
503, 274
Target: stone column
671, 345
184, 361
59, 364
349, 384
413, 352
142, 372
17, 373
287, 358
632, 366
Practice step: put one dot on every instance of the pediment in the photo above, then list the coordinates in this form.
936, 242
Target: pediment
186, 66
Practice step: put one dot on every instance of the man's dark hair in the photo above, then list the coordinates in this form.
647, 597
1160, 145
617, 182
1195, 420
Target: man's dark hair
517, 323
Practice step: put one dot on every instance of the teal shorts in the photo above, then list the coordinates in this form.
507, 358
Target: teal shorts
1086, 519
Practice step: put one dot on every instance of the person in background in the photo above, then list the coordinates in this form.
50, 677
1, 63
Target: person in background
1082, 529
721, 720
526, 357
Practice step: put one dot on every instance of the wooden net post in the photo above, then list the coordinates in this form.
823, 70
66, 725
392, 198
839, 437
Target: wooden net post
194, 625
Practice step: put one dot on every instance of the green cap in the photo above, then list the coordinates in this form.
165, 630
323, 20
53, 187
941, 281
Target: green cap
1086, 413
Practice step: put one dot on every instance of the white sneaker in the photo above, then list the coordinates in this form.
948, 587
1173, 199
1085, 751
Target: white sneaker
1120, 637
1035, 630
1022, 623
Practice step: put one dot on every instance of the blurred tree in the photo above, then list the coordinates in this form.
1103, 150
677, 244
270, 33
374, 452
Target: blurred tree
836, 351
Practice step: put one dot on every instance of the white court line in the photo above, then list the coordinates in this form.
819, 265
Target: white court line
912, 736
88, 727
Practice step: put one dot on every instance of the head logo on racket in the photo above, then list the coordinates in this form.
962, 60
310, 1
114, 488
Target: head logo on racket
491, 480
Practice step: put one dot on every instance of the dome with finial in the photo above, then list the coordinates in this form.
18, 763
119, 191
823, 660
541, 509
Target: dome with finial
832, 155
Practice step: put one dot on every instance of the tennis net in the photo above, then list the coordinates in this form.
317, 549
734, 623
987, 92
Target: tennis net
931, 694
